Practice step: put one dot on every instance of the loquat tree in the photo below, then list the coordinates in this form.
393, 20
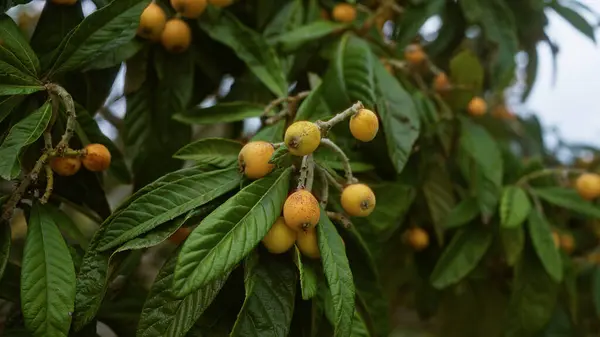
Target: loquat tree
298, 168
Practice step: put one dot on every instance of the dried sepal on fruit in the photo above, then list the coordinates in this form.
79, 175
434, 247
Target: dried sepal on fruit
358, 200
96, 157
280, 237
364, 125
301, 210
302, 138
253, 159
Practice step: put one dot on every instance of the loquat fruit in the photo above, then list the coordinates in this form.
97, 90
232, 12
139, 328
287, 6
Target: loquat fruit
477, 106
152, 22
308, 244
65, 166
96, 158
364, 125
254, 158
414, 54
302, 138
344, 12
180, 235
417, 238
177, 36
220, 3
280, 237
301, 210
358, 200
588, 185
441, 83
191, 9
64, 2
567, 243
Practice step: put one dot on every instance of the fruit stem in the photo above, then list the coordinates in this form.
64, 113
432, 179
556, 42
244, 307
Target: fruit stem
304, 172
324, 186
276, 102
67, 102
340, 218
49, 184
326, 126
311, 173
545, 172
330, 178
345, 160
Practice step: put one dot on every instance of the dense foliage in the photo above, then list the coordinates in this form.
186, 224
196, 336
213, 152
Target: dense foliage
478, 228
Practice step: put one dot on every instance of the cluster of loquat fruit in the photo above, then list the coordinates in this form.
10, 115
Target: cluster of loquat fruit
174, 34
301, 210
94, 157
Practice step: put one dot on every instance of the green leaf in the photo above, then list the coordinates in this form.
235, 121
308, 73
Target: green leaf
157, 235
250, 47
166, 315
338, 274
271, 133
270, 295
116, 56
165, 203
10, 74
575, 19
465, 212
220, 152
15, 49
105, 29
413, 19
7, 105
466, 70
294, 39
438, 192
541, 237
533, 298
287, 18
230, 232
54, 24
513, 241
308, 275
399, 116
6, 90
359, 328
66, 225
313, 106
24, 133
567, 198
5, 243
47, 277
221, 113
480, 148
514, 207
467, 248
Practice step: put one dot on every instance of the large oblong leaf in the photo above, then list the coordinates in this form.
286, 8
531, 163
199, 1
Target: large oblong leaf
166, 315
230, 232
47, 277
221, 113
15, 49
105, 29
166, 203
24, 133
7, 90
250, 47
216, 151
461, 256
514, 207
270, 295
338, 274
308, 275
541, 237
313, 31
567, 198
399, 116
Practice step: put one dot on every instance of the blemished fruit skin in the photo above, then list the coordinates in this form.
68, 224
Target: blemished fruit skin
65, 166
302, 138
441, 82
97, 158
418, 239
220, 3
308, 244
364, 125
477, 106
64, 2
301, 210
414, 54
177, 36
344, 12
191, 9
254, 158
180, 235
588, 186
152, 22
280, 237
358, 200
